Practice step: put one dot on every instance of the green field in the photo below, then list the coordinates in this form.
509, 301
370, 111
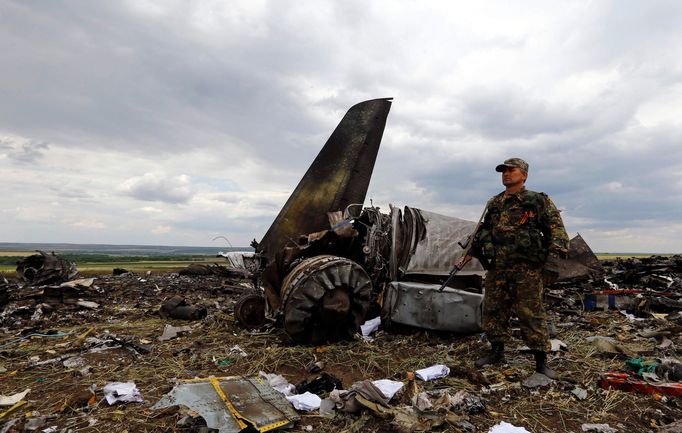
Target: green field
98, 264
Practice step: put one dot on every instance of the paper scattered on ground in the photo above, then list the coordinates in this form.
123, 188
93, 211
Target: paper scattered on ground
434, 372
11, 400
580, 393
370, 326
170, 332
278, 383
505, 427
123, 392
557, 345
305, 402
631, 317
598, 428
236, 350
388, 387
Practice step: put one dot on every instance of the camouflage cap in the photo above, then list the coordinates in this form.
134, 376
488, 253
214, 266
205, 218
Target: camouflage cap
511, 163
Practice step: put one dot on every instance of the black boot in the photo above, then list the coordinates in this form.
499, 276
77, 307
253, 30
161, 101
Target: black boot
496, 356
541, 364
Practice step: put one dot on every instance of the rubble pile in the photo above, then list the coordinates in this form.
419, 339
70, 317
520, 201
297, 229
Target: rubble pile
636, 285
163, 352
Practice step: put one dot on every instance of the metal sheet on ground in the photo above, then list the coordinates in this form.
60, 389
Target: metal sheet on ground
230, 403
423, 306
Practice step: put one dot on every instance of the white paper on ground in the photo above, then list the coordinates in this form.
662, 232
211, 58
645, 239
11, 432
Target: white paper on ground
557, 345
505, 427
434, 372
388, 387
370, 326
125, 392
11, 400
278, 383
306, 401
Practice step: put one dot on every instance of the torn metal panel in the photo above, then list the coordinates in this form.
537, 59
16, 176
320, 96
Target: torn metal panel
247, 260
581, 262
43, 268
338, 177
427, 243
231, 404
423, 306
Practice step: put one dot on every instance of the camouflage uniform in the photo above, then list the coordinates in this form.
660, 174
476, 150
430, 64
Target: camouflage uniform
522, 236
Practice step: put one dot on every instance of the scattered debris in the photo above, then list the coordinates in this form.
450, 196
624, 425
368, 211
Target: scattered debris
122, 392
626, 382
674, 427
40, 269
537, 380
370, 326
236, 350
178, 308
557, 345
505, 427
198, 270
580, 393
305, 402
388, 387
170, 332
230, 404
11, 400
323, 268
278, 383
433, 372
598, 428
323, 383
88, 304
74, 362
83, 283
351, 400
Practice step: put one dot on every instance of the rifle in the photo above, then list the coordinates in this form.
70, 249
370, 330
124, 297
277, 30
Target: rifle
466, 249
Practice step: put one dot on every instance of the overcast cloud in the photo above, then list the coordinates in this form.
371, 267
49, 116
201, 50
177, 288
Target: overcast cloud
172, 122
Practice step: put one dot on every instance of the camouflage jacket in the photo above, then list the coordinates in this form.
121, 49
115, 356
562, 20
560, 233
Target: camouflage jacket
522, 227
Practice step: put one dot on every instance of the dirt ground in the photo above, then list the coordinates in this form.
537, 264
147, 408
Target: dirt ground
128, 310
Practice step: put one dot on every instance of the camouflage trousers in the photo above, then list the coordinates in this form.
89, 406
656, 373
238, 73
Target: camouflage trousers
518, 290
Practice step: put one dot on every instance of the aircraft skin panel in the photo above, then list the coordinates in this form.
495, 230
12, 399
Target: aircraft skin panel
339, 176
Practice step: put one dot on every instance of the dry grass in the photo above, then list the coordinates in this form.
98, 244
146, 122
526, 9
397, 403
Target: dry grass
129, 306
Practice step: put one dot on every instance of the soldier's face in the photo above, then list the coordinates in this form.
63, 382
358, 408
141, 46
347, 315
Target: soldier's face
513, 176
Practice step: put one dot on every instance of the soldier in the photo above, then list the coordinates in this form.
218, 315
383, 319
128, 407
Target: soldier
521, 239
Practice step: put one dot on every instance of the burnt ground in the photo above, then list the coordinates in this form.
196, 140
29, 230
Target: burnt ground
128, 312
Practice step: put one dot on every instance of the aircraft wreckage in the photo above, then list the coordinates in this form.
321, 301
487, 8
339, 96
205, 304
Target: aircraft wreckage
328, 263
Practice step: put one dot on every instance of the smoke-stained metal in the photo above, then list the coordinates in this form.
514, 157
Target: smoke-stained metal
43, 268
581, 262
325, 298
339, 176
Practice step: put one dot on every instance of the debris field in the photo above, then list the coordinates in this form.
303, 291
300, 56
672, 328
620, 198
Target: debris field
96, 354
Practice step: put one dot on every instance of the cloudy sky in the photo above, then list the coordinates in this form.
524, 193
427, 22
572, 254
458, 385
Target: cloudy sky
172, 122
